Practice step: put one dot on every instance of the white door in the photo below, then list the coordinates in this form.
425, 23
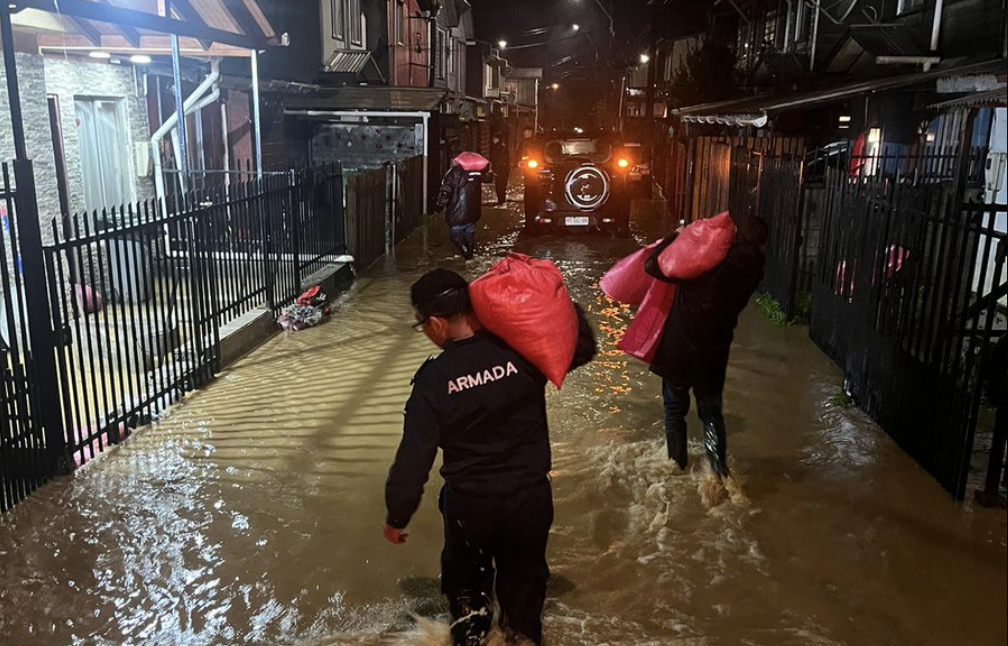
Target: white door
102, 137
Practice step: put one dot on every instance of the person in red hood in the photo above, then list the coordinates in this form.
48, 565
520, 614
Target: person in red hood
461, 198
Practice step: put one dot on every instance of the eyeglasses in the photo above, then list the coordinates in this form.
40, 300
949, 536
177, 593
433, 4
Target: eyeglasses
419, 325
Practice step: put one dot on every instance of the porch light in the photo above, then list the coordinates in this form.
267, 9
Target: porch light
502, 44
140, 59
100, 55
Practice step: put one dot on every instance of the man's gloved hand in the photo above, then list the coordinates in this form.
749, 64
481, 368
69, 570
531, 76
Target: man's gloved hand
395, 536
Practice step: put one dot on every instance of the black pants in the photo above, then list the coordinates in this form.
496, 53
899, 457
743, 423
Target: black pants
464, 237
501, 182
506, 535
709, 409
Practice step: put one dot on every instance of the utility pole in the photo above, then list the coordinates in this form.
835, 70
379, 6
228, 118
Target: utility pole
652, 79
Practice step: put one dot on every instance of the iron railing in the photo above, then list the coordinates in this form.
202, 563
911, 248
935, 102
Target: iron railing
903, 303
141, 292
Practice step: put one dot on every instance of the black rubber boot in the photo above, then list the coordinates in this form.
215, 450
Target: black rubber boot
471, 618
717, 447
675, 441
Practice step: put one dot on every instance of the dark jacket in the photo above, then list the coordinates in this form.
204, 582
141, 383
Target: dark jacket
700, 328
500, 157
461, 196
485, 407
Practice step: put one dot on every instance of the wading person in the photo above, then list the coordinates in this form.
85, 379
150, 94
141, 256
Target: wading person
500, 161
697, 338
460, 198
485, 407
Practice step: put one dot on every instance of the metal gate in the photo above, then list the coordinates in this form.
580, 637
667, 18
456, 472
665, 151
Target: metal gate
780, 196
905, 302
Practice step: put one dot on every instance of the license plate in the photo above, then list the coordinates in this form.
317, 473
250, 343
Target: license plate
580, 221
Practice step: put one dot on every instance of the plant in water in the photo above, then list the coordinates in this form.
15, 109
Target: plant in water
772, 309
842, 400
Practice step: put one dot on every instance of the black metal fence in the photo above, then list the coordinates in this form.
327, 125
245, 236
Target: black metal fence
780, 204
23, 463
121, 312
904, 301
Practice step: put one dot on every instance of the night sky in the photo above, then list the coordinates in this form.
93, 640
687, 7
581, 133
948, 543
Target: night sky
552, 22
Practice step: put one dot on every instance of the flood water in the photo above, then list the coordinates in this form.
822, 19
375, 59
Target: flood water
252, 513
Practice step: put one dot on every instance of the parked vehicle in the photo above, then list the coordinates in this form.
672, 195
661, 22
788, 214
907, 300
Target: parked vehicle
577, 180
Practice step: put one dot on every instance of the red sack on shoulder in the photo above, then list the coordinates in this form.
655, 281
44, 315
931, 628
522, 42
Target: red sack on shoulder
524, 302
472, 162
627, 282
699, 248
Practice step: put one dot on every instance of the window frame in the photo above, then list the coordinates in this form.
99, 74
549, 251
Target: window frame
355, 26
400, 22
338, 17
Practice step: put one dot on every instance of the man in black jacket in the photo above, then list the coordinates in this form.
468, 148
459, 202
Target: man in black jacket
500, 161
485, 407
460, 198
693, 352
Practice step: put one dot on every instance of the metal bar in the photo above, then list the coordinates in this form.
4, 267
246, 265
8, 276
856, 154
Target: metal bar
13, 93
256, 117
183, 156
142, 20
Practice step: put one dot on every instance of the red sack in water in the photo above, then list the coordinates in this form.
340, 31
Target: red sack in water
645, 332
472, 162
524, 302
627, 282
699, 248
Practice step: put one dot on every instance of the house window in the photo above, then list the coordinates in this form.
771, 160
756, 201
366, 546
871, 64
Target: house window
356, 23
439, 53
400, 19
101, 137
906, 6
803, 22
770, 30
339, 19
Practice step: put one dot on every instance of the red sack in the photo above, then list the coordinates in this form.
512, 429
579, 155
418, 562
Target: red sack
645, 332
472, 162
627, 282
699, 248
524, 302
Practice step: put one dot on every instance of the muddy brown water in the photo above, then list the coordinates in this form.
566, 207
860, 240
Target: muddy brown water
252, 513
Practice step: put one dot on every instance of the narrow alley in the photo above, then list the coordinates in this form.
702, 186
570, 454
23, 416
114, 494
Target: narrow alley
252, 514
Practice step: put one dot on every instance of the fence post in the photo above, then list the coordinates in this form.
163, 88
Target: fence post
42, 337
300, 196
262, 213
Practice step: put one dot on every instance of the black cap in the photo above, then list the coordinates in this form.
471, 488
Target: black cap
441, 292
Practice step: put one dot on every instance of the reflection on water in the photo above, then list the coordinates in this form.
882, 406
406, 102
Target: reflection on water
252, 514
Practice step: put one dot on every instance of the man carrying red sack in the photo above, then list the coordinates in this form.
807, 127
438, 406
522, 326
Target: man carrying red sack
484, 405
461, 198
697, 338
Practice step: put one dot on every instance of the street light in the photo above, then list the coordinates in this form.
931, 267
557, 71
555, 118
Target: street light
644, 58
576, 27
502, 44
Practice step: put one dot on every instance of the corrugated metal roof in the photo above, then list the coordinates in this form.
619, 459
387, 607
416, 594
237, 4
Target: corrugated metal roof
886, 40
997, 97
369, 98
742, 111
347, 61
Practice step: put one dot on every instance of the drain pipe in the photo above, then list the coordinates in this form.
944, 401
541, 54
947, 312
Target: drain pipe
936, 29
193, 101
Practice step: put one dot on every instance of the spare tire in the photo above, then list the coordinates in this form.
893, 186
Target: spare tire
587, 187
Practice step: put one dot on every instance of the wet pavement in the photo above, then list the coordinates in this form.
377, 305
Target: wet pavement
252, 514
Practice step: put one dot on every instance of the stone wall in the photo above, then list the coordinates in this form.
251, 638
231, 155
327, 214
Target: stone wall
38, 137
69, 78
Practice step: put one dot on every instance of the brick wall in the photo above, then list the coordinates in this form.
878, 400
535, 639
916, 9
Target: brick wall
69, 78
